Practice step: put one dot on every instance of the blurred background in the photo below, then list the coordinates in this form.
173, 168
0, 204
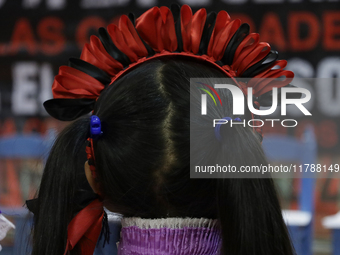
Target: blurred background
38, 36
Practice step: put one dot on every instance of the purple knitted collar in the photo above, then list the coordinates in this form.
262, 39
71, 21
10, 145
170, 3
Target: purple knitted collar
175, 236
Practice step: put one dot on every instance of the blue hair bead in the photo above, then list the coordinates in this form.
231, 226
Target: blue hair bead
95, 127
218, 127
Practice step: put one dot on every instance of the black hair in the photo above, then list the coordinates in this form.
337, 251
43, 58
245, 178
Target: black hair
142, 162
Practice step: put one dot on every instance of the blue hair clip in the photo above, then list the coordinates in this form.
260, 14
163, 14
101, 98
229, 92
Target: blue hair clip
218, 126
95, 127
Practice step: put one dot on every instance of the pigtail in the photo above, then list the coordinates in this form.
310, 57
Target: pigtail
248, 208
63, 183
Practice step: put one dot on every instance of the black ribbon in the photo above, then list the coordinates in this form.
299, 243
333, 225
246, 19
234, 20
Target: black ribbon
207, 31
235, 41
111, 48
69, 109
91, 70
267, 62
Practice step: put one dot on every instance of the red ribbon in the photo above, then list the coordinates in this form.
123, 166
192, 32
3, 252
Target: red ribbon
85, 228
90, 156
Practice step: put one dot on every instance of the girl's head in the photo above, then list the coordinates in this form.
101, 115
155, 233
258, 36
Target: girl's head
142, 163
142, 159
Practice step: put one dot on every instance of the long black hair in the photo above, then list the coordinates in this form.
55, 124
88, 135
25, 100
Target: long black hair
142, 162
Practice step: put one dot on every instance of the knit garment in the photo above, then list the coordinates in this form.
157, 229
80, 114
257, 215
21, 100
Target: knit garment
173, 236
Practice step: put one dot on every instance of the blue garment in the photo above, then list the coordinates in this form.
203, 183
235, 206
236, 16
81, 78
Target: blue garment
115, 227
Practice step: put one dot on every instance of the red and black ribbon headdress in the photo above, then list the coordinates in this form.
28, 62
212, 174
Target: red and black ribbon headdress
215, 38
